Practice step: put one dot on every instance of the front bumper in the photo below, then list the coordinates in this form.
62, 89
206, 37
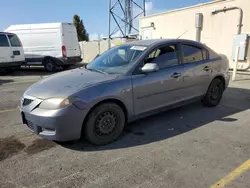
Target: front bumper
59, 125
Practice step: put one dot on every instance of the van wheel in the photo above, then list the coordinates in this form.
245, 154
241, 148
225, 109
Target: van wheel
214, 93
104, 124
49, 65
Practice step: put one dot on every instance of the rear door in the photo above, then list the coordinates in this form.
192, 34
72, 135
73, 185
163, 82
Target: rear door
70, 40
5, 50
16, 48
197, 70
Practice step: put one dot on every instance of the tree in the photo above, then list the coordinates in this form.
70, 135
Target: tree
81, 31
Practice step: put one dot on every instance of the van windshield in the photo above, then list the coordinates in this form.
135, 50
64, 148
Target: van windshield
117, 60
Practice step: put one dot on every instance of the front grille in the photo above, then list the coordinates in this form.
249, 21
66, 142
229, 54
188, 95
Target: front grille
27, 101
30, 125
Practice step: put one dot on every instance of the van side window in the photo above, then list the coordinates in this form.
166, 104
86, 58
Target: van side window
192, 54
164, 57
3, 41
14, 41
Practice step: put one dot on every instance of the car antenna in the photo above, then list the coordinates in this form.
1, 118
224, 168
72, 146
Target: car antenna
182, 34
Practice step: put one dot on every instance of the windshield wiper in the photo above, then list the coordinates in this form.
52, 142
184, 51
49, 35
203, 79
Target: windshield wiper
96, 70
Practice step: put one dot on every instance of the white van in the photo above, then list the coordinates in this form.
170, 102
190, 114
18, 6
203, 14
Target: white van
11, 51
50, 44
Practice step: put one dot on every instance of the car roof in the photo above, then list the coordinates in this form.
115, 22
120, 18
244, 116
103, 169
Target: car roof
161, 41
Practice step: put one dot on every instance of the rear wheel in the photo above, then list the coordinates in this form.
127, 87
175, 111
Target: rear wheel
214, 93
49, 65
104, 124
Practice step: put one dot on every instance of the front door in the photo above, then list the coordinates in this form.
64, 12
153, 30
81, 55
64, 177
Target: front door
5, 50
158, 89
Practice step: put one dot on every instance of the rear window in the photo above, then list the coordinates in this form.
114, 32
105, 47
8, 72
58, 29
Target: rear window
14, 41
4, 41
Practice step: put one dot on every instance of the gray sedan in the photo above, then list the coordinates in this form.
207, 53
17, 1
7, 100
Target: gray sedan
125, 83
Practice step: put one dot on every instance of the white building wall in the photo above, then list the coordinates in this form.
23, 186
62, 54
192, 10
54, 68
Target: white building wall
217, 32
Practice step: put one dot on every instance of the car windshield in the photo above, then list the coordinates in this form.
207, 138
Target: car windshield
116, 60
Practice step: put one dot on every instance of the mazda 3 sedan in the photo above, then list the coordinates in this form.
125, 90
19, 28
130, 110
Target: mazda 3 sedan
125, 83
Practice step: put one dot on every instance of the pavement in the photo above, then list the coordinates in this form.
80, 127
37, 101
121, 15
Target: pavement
187, 147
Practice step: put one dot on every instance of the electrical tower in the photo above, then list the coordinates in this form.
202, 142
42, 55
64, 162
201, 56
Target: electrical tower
122, 16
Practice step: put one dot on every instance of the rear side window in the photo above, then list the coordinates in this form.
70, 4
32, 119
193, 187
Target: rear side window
14, 41
205, 54
4, 41
192, 54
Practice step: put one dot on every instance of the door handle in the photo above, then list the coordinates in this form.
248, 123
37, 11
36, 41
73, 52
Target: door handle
206, 68
12, 56
176, 75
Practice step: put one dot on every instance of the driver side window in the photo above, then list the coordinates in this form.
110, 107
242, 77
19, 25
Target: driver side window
166, 56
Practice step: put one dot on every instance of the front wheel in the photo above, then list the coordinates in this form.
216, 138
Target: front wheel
104, 124
214, 93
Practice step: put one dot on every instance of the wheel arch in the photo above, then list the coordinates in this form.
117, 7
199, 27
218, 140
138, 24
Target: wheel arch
46, 58
221, 77
108, 100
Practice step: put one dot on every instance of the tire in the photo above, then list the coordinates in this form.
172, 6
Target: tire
104, 124
214, 93
49, 65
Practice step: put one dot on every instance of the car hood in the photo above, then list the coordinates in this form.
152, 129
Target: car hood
67, 83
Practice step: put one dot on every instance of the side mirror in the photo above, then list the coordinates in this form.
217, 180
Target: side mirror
149, 67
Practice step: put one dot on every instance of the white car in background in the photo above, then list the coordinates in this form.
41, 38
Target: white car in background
49, 44
11, 51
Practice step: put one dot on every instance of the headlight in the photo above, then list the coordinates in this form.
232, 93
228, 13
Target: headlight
56, 103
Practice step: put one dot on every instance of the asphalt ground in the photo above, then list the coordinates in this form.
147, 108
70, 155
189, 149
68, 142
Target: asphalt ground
188, 147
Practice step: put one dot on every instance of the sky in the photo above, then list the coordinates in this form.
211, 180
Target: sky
93, 12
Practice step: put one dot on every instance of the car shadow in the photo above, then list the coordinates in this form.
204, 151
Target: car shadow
173, 122
5, 81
